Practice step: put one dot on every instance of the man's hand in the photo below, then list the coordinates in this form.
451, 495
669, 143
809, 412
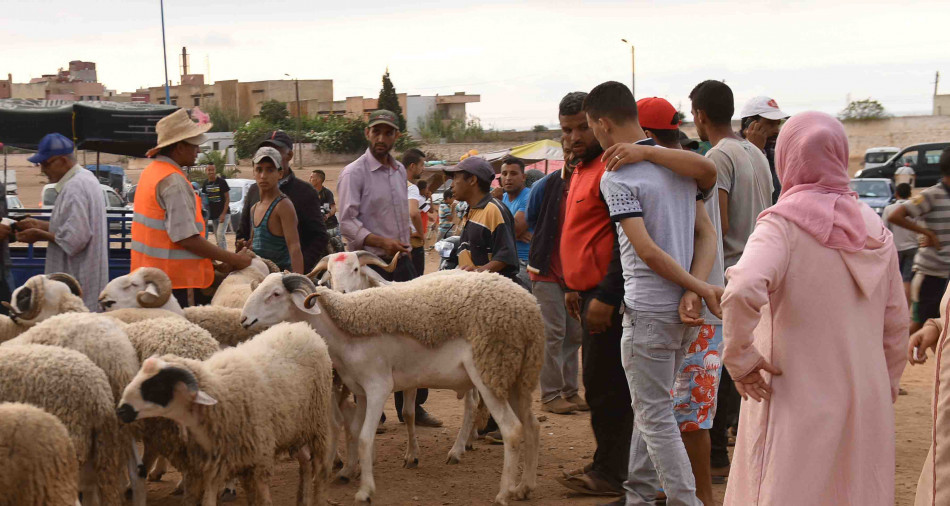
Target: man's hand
572, 301
623, 153
920, 341
239, 245
756, 134
26, 223
223, 217
929, 240
599, 315
392, 247
691, 309
239, 262
712, 295
467, 268
754, 385
32, 235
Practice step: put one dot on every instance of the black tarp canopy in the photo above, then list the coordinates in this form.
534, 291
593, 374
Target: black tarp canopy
110, 127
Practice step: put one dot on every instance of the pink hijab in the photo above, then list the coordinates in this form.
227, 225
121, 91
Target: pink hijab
811, 159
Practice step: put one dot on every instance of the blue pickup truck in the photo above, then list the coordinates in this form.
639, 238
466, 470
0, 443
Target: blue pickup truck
28, 261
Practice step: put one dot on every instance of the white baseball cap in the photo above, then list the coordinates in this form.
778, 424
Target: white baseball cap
762, 106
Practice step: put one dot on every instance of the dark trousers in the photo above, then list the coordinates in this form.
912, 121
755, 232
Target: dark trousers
419, 260
608, 394
727, 415
405, 271
181, 295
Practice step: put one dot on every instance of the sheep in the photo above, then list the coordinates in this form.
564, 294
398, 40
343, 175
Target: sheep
167, 336
69, 386
452, 340
243, 405
39, 466
350, 271
146, 287
40, 298
147, 293
237, 286
108, 346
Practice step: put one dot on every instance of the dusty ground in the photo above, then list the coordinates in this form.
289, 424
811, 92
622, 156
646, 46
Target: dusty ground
566, 441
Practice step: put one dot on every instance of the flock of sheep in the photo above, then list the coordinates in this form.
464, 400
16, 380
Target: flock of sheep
267, 368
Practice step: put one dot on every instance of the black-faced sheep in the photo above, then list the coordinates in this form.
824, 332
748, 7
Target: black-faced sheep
243, 405
38, 465
40, 298
453, 340
69, 386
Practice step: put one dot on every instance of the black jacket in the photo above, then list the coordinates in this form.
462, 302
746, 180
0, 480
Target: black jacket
310, 221
543, 213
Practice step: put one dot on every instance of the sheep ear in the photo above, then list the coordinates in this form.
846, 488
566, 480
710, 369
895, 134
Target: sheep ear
151, 288
204, 399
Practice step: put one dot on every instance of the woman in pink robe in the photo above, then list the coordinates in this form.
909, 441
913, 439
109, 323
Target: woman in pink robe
815, 329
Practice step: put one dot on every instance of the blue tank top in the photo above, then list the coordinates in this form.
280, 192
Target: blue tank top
268, 245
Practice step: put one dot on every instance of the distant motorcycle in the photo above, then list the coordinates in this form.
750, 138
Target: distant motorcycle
448, 252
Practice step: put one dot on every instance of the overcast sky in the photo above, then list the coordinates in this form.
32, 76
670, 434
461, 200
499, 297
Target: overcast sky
521, 57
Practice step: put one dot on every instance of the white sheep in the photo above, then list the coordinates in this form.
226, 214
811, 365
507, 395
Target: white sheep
243, 405
435, 331
238, 285
40, 298
146, 287
167, 336
39, 466
350, 271
69, 386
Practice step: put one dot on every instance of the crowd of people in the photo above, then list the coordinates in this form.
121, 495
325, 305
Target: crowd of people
684, 282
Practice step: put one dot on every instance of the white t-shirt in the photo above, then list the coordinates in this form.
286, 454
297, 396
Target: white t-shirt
904, 174
415, 195
903, 239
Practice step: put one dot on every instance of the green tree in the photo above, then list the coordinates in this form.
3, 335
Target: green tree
224, 120
389, 100
274, 112
539, 128
863, 110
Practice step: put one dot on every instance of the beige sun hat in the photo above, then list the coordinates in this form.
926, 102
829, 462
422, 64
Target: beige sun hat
177, 127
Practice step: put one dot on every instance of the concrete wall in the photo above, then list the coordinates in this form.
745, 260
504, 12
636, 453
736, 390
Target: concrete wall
417, 110
30, 91
942, 105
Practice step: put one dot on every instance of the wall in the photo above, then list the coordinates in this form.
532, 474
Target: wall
417, 110
32, 91
942, 105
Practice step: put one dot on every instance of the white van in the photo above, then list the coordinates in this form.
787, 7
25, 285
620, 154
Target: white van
876, 157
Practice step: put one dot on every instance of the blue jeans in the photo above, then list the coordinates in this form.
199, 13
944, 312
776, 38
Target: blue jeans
652, 348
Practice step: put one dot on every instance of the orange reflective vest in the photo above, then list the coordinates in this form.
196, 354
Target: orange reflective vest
151, 246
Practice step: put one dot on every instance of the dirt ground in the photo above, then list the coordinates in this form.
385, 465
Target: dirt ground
566, 440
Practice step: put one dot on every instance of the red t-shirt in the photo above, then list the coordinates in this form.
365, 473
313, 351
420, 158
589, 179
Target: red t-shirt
587, 234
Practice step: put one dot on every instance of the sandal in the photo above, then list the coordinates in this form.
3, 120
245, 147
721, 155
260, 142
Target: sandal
589, 484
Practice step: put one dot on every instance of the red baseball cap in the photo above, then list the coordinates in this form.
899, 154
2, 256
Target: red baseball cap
657, 114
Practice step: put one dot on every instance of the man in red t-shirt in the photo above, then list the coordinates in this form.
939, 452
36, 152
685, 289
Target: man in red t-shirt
590, 261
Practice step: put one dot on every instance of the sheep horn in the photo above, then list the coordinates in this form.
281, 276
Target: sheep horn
321, 266
36, 291
271, 266
367, 258
162, 284
310, 301
68, 280
298, 282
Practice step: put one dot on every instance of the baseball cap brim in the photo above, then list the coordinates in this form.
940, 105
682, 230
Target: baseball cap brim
773, 114
42, 157
382, 122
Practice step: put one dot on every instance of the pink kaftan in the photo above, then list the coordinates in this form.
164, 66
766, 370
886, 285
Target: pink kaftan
835, 323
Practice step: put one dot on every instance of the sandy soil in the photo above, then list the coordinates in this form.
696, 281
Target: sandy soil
566, 441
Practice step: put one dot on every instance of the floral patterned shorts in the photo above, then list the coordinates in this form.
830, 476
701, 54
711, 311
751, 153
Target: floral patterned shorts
694, 392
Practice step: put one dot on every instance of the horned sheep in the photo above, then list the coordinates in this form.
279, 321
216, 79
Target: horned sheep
40, 298
463, 341
243, 405
69, 386
39, 466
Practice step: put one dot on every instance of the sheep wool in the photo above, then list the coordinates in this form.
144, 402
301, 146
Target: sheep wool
223, 323
98, 338
274, 395
137, 314
9, 329
69, 386
39, 466
500, 320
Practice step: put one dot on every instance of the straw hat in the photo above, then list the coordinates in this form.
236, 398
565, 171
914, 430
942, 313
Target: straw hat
177, 127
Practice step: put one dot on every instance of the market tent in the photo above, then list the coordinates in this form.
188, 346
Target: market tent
540, 151
109, 127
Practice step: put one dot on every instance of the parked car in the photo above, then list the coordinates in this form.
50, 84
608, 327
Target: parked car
13, 202
877, 193
876, 157
239, 189
116, 206
923, 158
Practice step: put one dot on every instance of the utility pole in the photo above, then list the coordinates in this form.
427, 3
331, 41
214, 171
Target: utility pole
936, 82
297, 92
161, 3
633, 69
